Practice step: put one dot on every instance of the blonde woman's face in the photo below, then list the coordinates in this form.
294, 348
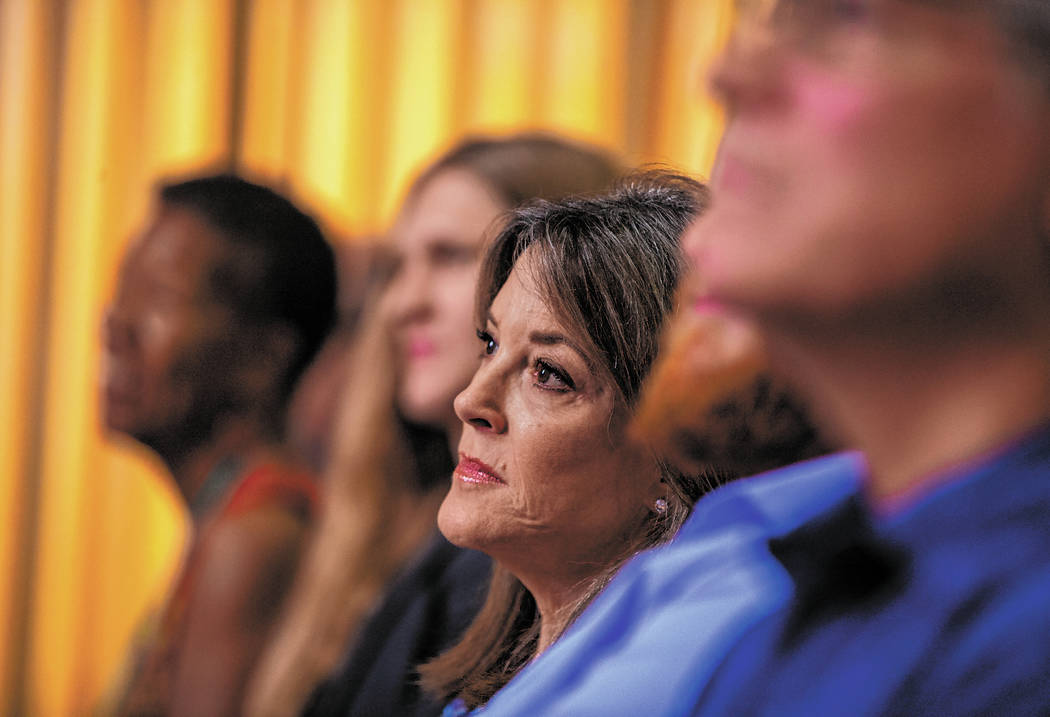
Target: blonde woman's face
438, 239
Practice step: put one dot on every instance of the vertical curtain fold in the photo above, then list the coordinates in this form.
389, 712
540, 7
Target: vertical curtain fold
27, 111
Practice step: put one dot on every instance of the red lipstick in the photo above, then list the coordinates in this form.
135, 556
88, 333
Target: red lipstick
418, 347
471, 470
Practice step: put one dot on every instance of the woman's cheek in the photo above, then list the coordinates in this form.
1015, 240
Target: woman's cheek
566, 458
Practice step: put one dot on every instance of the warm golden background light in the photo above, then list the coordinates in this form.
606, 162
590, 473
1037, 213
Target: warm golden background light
337, 102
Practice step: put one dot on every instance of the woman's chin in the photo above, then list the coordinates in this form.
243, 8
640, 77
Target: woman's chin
425, 409
458, 523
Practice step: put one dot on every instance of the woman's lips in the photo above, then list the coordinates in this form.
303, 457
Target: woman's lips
471, 470
693, 293
420, 348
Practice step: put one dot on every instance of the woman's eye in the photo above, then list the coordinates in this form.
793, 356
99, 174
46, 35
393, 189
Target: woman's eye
452, 254
489, 343
552, 378
850, 10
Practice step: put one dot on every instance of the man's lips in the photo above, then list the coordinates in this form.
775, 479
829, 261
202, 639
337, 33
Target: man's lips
471, 470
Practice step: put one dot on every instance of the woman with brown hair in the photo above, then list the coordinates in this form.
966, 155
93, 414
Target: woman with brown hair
571, 301
378, 577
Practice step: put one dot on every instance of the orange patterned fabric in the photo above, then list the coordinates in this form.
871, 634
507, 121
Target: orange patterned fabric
266, 485
273, 484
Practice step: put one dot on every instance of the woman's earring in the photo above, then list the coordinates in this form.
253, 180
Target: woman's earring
661, 506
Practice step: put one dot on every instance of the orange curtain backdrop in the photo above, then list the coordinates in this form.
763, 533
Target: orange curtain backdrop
27, 108
337, 102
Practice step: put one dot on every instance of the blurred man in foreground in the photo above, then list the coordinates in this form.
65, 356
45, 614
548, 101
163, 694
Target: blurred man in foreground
882, 211
220, 304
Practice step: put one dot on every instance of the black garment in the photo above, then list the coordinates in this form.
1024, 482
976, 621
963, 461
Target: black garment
427, 608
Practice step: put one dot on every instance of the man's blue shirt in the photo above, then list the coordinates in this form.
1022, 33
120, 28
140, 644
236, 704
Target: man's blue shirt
650, 640
941, 609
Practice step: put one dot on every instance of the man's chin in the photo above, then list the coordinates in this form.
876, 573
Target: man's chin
706, 359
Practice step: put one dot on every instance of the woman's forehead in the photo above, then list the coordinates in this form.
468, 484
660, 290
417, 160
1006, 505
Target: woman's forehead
535, 273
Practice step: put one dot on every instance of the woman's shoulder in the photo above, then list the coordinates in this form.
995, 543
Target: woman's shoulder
274, 483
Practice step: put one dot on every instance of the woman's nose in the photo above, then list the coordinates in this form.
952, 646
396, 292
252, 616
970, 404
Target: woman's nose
480, 404
409, 295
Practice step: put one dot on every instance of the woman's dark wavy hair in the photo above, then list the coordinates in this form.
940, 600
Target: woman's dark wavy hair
608, 267
279, 267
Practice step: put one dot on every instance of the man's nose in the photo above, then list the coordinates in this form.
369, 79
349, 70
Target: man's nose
742, 72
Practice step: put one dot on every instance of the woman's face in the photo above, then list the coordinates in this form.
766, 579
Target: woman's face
874, 147
168, 342
547, 483
438, 239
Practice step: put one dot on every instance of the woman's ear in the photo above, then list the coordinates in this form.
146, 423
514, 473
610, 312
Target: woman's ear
640, 460
658, 494
266, 359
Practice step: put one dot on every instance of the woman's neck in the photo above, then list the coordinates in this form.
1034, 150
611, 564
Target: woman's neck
918, 407
233, 437
560, 592
556, 609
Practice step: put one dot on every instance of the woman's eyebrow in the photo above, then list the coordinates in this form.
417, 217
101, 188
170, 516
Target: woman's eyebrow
549, 338
553, 338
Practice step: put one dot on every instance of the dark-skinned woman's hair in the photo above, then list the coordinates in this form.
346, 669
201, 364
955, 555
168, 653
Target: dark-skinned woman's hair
279, 267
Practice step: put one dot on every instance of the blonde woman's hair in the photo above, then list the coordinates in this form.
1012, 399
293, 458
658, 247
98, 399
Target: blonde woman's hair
386, 477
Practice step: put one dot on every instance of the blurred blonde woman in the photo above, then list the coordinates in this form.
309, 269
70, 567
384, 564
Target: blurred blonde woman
381, 591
